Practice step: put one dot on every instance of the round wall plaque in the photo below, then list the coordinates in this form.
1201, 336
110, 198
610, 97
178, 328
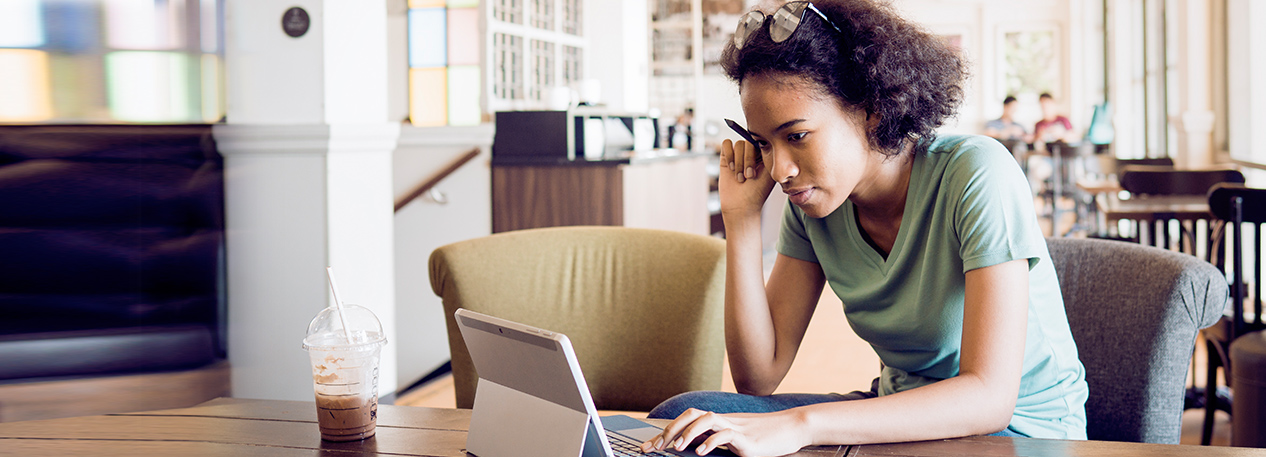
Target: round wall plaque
295, 22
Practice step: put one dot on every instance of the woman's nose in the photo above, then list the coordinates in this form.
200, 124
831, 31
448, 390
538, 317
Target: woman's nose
781, 167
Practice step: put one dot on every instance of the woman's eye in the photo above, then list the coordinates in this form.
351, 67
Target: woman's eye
797, 136
763, 145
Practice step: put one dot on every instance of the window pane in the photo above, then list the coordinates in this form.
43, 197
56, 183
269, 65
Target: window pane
24, 94
212, 97
543, 14
426, 38
463, 36
144, 24
149, 86
426, 3
21, 24
78, 86
507, 66
73, 27
542, 70
209, 24
463, 95
571, 17
463, 3
428, 102
508, 11
572, 63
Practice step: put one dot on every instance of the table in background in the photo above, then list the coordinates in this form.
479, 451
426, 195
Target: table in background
1092, 188
288, 428
1149, 209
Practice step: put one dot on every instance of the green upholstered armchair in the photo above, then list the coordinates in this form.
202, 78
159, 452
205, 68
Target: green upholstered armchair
643, 308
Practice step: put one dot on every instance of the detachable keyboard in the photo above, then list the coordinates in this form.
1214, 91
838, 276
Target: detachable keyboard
623, 447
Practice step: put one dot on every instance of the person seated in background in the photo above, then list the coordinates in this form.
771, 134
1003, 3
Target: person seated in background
1006, 128
1053, 126
680, 134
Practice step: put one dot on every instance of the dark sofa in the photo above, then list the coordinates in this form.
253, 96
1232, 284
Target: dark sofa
111, 250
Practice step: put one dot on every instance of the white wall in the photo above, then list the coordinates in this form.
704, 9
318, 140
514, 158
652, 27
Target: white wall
618, 55
427, 224
261, 63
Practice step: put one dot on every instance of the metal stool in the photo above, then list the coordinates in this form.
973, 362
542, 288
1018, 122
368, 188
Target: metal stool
1248, 378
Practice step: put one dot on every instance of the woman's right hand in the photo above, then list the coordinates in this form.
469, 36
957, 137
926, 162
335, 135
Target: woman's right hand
744, 183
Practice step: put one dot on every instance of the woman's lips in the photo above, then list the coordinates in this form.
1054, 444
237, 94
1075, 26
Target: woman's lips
799, 197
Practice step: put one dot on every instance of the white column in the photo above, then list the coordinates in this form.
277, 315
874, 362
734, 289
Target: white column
1195, 121
308, 175
1126, 116
619, 56
1246, 68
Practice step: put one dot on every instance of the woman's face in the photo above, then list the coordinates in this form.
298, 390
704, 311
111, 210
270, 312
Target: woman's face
812, 146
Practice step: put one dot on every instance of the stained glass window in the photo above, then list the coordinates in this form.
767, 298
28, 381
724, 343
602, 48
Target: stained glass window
21, 24
444, 76
468, 58
24, 86
110, 61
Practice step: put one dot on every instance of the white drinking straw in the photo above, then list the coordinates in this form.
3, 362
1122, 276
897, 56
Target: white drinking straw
338, 305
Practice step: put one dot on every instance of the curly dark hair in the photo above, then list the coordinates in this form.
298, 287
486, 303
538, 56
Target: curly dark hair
878, 62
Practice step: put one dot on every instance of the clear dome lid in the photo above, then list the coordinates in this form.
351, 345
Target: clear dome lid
325, 332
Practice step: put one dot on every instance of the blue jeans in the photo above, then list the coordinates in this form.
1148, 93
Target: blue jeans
727, 402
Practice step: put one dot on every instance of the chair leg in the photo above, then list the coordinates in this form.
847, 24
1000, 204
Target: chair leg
1210, 393
1194, 397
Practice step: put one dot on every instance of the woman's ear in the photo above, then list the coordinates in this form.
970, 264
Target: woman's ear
872, 121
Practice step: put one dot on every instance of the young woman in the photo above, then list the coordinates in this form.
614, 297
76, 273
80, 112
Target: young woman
931, 242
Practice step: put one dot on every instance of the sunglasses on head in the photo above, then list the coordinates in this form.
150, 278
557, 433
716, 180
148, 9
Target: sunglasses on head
786, 20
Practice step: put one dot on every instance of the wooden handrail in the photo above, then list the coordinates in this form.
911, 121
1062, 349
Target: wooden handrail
435, 179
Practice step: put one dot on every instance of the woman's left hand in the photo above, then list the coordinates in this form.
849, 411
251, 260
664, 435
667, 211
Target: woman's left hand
747, 435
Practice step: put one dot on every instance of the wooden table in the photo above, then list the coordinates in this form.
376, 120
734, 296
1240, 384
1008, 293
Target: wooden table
1154, 208
1147, 210
288, 428
1096, 186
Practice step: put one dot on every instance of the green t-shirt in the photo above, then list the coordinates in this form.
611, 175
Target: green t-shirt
968, 206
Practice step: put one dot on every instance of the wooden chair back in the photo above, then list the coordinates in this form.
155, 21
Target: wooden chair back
1151, 180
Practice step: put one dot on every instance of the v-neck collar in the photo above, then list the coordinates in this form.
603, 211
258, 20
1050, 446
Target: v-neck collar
871, 252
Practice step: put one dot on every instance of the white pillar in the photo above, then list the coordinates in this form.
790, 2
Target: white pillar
1246, 68
1126, 113
619, 56
307, 152
1195, 119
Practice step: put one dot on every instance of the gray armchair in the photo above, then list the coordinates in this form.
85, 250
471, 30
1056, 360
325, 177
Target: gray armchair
1134, 311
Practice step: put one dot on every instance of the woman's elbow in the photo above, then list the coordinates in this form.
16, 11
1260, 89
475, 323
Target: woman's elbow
997, 420
998, 416
754, 387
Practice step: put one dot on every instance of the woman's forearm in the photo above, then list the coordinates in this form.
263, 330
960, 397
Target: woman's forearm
960, 406
750, 339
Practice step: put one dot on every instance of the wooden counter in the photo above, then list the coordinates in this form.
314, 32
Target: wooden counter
668, 192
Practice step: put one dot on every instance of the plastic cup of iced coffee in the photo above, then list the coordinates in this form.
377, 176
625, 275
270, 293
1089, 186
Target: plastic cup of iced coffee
345, 372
